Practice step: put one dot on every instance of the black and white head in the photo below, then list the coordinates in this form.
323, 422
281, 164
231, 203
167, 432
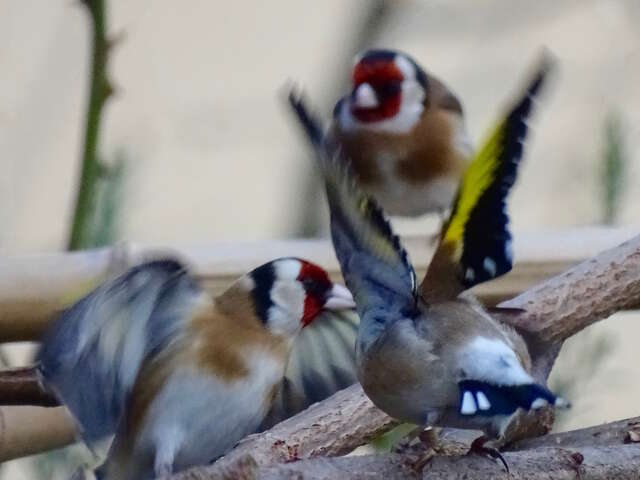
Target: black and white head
388, 95
289, 293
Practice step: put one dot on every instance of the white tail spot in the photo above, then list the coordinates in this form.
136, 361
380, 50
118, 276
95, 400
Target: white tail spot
489, 266
483, 401
468, 404
469, 275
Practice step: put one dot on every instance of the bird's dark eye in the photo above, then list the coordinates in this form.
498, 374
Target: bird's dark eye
313, 287
389, 89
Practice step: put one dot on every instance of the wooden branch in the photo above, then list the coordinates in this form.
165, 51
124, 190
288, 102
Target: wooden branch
557, 456
21, 386
555, 310
589, 463
33, 288
333, 427
566, 304
28, 430
613, 433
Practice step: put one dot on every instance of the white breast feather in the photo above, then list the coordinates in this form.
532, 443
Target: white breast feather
493, 361
197, 417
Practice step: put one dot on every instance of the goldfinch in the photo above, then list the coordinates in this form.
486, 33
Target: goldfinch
430, 354
178, 376
405, 134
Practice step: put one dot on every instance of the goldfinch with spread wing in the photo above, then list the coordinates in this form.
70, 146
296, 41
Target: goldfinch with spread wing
178, 376
431, 354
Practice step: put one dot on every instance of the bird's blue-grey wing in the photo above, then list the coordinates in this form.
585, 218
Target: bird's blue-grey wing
91, 355
374, 264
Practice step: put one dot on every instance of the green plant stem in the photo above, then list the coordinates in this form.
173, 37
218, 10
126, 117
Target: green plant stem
100, 90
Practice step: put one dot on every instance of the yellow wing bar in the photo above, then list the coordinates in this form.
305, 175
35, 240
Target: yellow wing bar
477, 237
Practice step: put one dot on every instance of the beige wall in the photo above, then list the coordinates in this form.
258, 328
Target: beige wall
214, 155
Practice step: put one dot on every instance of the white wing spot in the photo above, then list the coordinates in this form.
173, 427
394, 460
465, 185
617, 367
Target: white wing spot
508, 250
489, 266
468, 404
483, 401
469, 275
539, 403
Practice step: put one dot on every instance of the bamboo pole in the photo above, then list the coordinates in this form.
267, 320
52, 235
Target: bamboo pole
29, 430
33, 288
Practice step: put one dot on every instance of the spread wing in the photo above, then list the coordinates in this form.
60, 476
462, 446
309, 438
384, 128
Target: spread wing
374, 264
475, 244
321, 363
91, 355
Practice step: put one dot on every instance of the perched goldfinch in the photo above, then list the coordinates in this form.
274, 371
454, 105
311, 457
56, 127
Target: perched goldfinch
178, 376
431, 354
404, 131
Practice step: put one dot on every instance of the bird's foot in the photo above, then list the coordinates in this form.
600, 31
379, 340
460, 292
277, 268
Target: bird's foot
424, 449
419, 463
478, 447
430, 439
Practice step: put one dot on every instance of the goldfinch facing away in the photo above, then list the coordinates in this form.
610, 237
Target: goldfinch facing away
404, 131
426, 354
178, 376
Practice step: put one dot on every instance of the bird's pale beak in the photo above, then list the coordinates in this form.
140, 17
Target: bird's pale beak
365, 96
339, 298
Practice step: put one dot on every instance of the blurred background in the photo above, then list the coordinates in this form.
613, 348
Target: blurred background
196, 144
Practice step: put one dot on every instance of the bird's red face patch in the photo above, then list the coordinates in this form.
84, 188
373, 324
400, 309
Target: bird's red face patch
316, 284
386, 79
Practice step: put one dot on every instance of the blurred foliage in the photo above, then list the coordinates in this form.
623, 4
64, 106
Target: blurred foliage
385, 442
104, 223
614, 167
92, 170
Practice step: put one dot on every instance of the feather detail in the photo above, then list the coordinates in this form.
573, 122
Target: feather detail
309, 123
374, 264
486, 399
475, 244
93, 352
321, 363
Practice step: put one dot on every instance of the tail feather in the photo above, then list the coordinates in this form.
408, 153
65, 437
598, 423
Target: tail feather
486, 399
